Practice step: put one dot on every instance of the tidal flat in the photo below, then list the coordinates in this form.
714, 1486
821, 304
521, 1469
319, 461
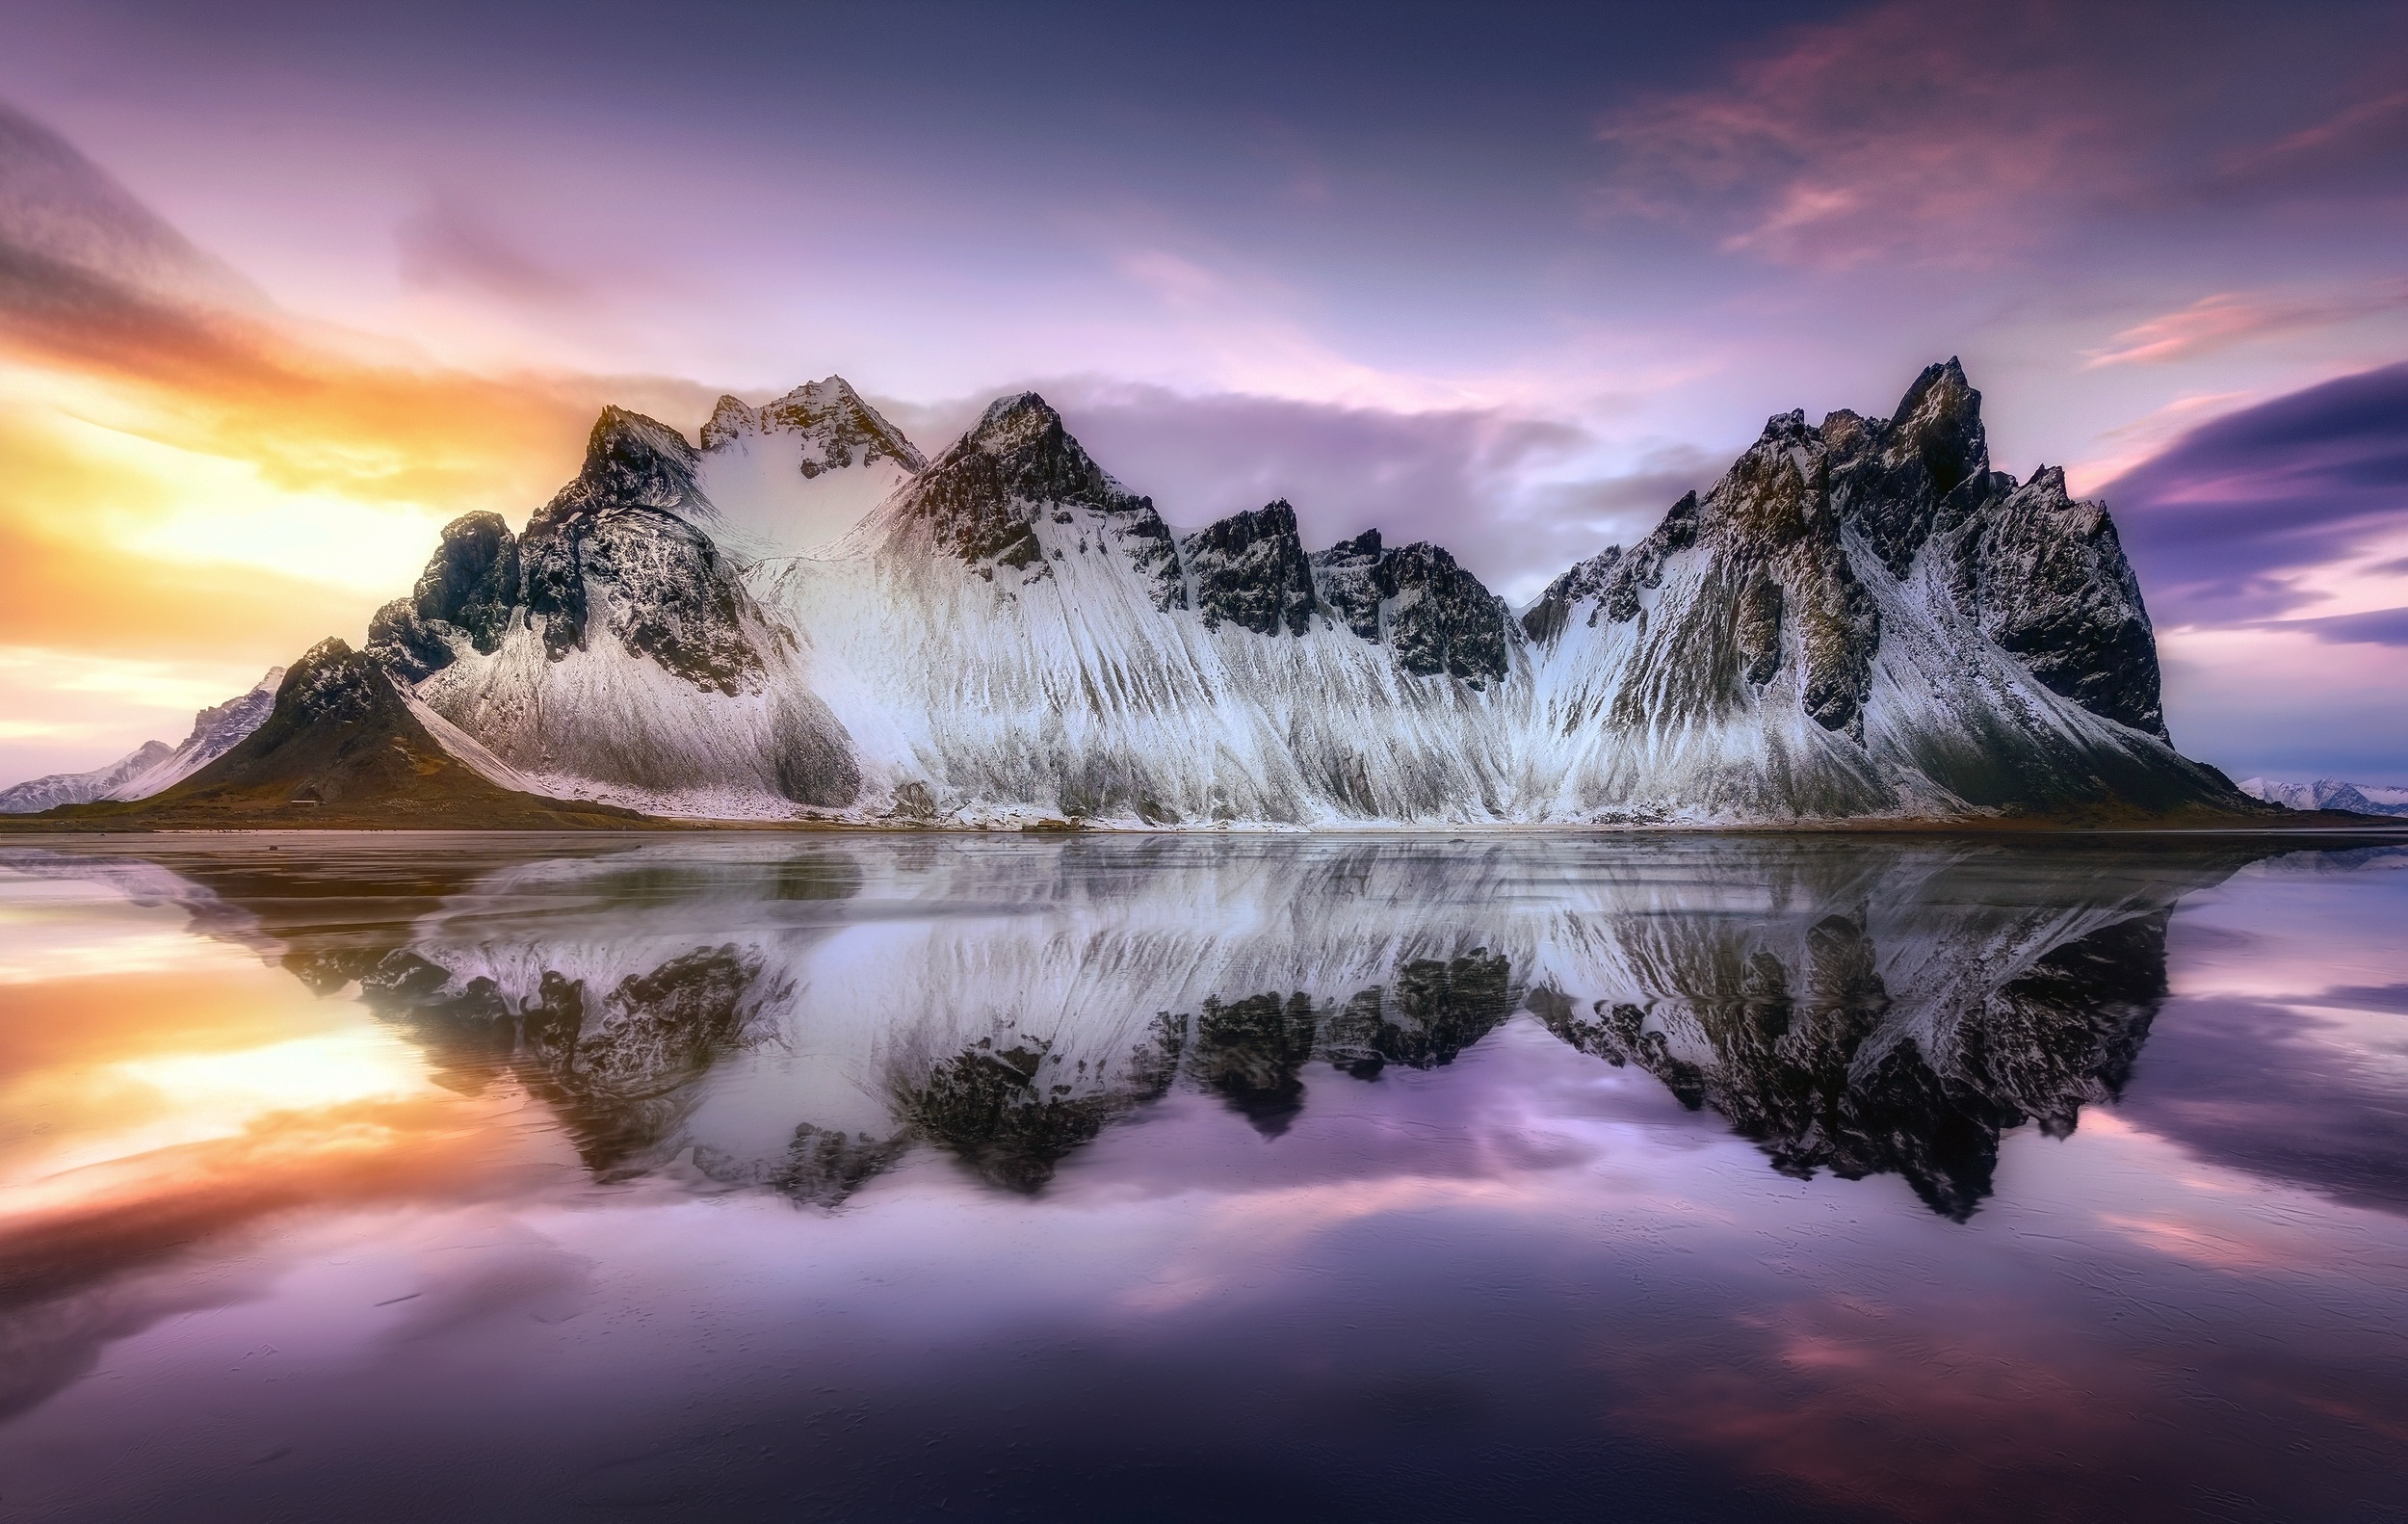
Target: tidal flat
859, 1176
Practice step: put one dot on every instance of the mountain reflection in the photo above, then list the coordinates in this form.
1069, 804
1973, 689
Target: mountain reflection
797, 1017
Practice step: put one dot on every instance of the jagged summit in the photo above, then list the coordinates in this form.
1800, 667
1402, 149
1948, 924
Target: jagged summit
995, 496
791, 475
1036, 460
1251, 570
836, 428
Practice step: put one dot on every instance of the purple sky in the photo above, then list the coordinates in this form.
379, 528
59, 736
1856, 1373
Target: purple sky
1510, 279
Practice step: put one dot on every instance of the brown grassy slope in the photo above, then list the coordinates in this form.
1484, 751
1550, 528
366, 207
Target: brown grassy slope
340, 751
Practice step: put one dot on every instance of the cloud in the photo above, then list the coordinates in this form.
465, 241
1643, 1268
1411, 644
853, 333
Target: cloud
2358, 142
2233, 522
2233, 317
1918, 133
2378, 627
2299, 1107
59, 208
449, 244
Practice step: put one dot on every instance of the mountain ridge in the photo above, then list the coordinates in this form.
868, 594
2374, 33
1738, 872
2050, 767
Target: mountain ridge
1861, 622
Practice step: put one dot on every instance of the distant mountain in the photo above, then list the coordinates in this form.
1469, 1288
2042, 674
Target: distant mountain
154, 766
82, 788
342, 746
215, 732
2359, 798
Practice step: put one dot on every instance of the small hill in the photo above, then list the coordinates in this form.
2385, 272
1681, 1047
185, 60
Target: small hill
341, 748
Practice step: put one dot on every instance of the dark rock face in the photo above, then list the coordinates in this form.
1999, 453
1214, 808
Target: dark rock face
1787, 1060
2045, 577
620, 529
1435, 614
615, 544
2042, 576
981, 498
1778, 578
1352, 579
1251, 570
1552, 614
465, 595
842, 430
1890, 479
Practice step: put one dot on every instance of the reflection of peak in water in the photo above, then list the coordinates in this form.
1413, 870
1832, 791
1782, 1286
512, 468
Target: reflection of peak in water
1816, 1066
792, 1016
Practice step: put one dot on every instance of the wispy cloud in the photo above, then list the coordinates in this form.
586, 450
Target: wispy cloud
2235, 317
2243, 518
2374, 627
2361, 137
448, 243
1928, 134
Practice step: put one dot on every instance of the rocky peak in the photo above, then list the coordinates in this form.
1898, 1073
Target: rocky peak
1036, 460
1435, 616
1938, 423
464, 598
1892, 479
2046, 577
1548, 617
1251, 570
838, 427
331, 684
981, 499
633, 459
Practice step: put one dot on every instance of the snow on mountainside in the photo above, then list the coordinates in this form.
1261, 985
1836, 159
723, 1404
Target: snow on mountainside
215, 731
2364, 799
154, 766
1861, 619
36, 794
793, 474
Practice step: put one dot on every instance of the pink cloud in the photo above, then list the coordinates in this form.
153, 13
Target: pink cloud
2233, 317
1928, 135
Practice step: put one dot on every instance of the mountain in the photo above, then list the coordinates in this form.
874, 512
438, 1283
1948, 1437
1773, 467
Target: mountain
2357, 799
154, 766
82, 788
215, 732
1861, 620
342, 746
791, 475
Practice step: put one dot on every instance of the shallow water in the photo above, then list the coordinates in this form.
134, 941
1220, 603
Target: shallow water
1178, 1179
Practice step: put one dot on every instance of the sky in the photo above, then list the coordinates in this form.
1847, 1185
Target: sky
284, 287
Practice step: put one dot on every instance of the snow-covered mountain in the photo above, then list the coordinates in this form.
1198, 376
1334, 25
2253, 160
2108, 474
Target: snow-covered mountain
154, 766
1861, 619
215, 732
791, 475
48, 791
2362, 799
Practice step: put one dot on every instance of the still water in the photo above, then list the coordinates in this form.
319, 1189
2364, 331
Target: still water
862, 1177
